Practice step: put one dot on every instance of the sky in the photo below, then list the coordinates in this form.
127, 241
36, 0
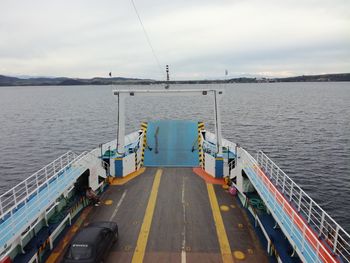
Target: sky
198, 39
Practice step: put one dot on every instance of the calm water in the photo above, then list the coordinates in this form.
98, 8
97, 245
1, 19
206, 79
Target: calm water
304, 127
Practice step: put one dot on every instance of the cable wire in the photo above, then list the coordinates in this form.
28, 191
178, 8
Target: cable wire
146, 35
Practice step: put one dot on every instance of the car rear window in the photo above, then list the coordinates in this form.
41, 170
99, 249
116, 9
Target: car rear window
80, 251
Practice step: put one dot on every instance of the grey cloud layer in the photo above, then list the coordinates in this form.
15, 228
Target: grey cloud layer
199, 39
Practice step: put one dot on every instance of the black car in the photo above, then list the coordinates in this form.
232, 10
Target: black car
92, 243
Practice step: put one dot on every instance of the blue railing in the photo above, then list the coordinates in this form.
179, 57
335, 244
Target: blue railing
299, 233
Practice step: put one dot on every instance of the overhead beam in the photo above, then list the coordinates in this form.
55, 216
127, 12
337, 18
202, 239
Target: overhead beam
123, 94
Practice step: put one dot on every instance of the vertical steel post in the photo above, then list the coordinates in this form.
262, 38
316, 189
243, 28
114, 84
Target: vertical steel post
121, 123
1, 211
14, 196
45, 173
336, 239
217, 98
310, 211
300, 196
26, 185
321, 226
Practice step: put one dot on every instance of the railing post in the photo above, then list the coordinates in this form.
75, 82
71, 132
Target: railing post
26, 185
300, 196
336, 239
51, 243
310, 211
46, 173
291, 191
277, 176
1, 211
14, 196
271, 170
284, 183
36, 180
321, 226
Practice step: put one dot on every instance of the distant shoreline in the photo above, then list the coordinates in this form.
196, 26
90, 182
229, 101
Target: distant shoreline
13, 81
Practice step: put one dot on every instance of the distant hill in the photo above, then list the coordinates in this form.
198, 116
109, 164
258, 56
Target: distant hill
315, 78
45, 81
42, 81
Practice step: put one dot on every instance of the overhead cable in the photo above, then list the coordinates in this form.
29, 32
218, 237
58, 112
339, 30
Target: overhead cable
146, 35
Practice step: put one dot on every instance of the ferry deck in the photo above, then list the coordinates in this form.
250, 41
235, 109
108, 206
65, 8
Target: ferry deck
174, 215
164, 186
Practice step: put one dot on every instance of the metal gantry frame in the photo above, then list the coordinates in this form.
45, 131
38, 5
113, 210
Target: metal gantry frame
121, 95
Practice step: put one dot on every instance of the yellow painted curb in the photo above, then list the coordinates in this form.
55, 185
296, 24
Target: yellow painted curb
124, 180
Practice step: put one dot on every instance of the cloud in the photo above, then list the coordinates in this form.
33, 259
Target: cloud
198, 39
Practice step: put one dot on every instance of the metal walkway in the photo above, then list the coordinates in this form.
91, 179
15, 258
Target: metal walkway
172, 144
22, 205
308, 243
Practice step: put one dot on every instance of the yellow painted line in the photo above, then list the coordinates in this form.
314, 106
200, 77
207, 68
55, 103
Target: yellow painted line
220, 228
124, 180
147, 221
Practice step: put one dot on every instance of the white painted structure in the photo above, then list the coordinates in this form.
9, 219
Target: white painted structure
209, 164
121, 95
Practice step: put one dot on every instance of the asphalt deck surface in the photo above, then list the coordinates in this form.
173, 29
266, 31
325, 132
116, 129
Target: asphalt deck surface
181, 226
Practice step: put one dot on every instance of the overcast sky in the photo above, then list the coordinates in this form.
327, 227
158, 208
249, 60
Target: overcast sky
197, 38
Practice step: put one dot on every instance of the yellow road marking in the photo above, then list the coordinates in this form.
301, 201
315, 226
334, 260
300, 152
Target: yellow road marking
147, 221
220, 228
224, 208
108, 202
124, 180
239, 255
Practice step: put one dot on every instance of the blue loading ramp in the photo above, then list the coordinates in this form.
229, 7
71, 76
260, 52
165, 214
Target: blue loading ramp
172, 144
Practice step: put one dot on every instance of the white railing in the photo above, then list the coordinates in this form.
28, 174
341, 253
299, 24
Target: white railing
19, 193
306, 243
209, 144
130, 139
25, 217
324, 225
59, 229
209, 148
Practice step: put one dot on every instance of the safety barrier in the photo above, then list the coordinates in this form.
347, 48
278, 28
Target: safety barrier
299, 233
19, 193
324, 226
48, 187
58, 229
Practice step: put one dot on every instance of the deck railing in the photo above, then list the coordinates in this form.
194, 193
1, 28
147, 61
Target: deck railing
324, 226
19, 193
27, 216
298, 232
